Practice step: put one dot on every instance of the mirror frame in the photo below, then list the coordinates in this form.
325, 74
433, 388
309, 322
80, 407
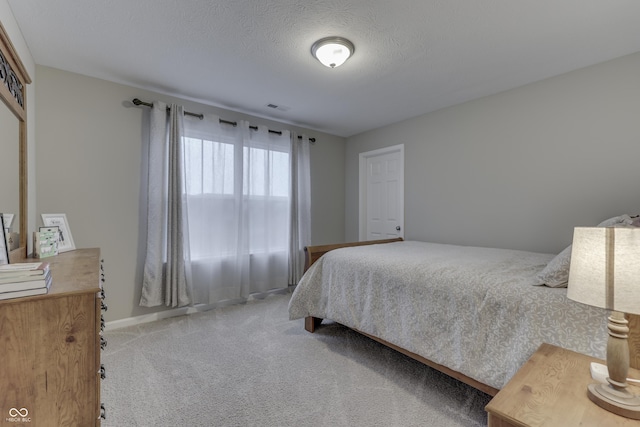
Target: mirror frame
13, 92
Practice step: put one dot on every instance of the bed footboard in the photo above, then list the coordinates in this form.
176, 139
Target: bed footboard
313, 253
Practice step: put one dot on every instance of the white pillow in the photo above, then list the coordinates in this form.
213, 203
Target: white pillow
616, 221
556, 273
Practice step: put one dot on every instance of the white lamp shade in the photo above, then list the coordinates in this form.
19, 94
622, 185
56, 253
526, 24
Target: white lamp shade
332, 51
605, 268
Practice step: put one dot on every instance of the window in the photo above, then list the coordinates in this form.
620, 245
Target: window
224, 221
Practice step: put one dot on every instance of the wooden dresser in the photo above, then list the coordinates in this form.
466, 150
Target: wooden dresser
50, 347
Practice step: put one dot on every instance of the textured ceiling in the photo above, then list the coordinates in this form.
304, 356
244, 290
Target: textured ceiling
412, 56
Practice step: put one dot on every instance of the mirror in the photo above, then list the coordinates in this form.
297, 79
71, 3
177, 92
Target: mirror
13, 142
9, 170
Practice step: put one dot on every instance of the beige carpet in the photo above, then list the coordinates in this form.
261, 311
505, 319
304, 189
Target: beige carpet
248, 365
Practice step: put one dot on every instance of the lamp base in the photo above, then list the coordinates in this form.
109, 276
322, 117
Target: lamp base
620, 402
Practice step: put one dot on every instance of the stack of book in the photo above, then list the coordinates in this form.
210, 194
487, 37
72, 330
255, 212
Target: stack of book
24, 279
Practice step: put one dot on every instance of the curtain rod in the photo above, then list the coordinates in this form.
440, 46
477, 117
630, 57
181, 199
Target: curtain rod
136, 101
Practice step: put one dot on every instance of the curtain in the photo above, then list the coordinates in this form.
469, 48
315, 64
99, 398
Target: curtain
238, 197
228, 209
165, 267
300, 206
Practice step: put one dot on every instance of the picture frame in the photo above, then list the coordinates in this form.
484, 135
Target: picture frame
66, 242
4, 249
8, 220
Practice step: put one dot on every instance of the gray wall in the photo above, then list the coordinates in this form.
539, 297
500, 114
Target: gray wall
88, 164
521, 168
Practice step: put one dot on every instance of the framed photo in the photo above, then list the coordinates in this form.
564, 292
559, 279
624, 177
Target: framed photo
4, 250
8, 220
60, 220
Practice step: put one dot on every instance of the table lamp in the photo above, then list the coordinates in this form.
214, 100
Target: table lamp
605, 273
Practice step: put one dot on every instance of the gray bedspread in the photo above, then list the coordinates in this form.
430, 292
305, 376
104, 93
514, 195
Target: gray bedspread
474, 310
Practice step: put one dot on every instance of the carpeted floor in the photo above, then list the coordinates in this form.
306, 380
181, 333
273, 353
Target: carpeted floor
248, 365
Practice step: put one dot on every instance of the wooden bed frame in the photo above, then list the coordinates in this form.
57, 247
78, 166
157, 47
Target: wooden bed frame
313, 253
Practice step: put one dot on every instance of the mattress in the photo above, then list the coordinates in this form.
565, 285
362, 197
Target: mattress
478, 311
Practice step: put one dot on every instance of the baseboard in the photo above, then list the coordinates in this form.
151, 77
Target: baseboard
146, 318
181, 311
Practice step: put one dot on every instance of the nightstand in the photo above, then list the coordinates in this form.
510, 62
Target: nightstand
551, 390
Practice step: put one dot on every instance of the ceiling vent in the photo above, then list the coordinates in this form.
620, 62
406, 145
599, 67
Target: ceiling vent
277, 107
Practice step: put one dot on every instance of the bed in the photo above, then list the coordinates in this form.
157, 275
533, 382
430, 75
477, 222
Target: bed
474, 313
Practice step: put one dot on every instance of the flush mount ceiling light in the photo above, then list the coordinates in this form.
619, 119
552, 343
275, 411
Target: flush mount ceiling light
332, 51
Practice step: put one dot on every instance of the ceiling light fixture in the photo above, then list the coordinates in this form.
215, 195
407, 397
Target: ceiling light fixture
332, 51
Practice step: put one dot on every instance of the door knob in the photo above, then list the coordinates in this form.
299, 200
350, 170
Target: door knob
397, 228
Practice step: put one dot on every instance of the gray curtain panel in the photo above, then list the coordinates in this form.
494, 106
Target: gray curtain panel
300, 206
164, 277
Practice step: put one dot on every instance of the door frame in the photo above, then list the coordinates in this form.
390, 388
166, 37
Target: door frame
362, 186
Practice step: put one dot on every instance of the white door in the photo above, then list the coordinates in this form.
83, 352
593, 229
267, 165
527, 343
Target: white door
382, 193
